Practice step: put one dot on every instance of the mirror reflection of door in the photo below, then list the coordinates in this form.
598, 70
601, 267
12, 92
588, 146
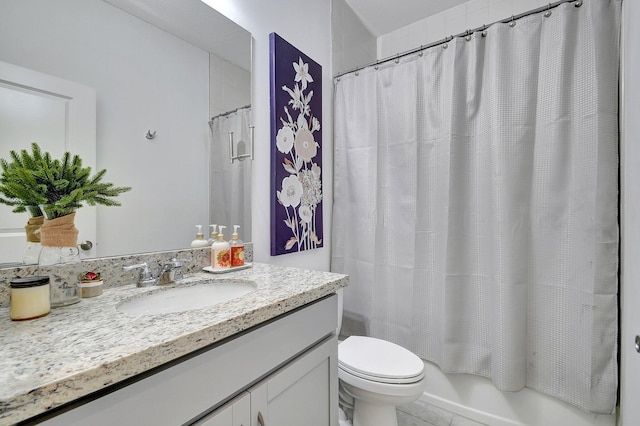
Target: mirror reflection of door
60, 116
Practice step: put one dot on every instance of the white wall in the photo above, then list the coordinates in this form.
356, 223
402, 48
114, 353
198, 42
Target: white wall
353, 45
307, 25
144, 79
469, 15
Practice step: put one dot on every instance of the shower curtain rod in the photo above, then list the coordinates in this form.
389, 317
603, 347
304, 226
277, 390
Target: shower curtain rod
512, 18
224, 114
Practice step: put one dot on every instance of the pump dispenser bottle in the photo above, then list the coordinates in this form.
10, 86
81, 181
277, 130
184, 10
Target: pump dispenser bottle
237, 248
220, 253
214, 233
199, 241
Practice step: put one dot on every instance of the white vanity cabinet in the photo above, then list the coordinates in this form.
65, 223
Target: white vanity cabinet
281, 373
299, 393
234, 413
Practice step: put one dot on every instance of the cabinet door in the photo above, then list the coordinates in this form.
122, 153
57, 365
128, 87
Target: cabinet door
234, 413
303, 392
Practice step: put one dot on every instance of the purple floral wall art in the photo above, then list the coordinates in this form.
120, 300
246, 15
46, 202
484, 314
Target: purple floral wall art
296, 149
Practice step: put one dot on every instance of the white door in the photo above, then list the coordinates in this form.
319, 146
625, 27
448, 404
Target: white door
60, 116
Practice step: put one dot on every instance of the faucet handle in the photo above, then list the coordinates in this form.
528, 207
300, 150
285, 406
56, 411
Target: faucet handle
178, 262
145, 277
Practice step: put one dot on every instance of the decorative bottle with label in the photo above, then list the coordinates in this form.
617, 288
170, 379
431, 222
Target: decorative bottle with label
214, 233
237, 248
220, 253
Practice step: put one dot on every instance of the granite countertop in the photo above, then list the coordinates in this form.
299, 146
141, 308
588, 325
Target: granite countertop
86, 347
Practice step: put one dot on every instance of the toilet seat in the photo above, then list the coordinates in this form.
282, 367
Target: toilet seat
379, 361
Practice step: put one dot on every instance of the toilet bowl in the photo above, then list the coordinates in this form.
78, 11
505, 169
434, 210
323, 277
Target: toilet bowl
375, 376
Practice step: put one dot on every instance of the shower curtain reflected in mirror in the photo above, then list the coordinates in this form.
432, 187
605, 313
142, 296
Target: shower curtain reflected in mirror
475, 203
230, 184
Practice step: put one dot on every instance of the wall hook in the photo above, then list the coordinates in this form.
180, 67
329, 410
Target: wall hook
150, 135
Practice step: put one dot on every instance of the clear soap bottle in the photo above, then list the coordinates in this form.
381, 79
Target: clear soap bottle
220, 253
237, 248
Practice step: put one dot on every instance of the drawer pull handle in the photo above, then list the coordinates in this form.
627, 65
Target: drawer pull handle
260, 419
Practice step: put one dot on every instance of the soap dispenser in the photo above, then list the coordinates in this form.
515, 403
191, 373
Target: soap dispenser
199, 241
214, 233
220, 253
237, 248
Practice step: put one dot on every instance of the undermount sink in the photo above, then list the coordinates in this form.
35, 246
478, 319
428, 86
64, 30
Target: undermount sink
180, 299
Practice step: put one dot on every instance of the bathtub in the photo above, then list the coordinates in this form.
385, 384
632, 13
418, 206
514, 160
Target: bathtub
476, 398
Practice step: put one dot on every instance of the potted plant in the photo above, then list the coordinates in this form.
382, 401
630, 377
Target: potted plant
32, 180
35, 182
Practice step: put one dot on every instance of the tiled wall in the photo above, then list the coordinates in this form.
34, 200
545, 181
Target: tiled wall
469, 15
230, 86
353, 45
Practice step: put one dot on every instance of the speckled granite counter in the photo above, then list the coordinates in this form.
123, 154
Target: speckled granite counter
86, 347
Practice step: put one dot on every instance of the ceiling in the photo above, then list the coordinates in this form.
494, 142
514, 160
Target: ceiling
384, 16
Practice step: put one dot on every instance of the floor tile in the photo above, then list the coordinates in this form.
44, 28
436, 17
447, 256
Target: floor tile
431, 414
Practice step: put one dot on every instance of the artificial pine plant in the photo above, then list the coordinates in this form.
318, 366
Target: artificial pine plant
35, 179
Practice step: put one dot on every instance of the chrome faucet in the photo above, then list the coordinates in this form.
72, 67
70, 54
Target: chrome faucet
145, 277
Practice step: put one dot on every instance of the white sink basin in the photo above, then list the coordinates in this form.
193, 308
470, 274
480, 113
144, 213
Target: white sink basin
180, 299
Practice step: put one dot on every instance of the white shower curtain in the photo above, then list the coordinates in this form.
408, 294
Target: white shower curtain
230, 184
475, 203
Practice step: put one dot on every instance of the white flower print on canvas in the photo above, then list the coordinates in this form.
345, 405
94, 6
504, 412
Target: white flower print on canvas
300, 191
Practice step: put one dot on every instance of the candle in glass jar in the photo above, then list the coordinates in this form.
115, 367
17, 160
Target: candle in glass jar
29, 298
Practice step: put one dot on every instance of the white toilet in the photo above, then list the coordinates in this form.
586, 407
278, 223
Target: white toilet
375, 376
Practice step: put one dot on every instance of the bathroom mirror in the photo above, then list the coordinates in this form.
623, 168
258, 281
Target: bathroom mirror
160, 70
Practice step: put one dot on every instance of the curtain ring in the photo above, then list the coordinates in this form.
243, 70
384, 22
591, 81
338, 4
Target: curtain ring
513, 21
468, 36
397, 60
578, 3
421, 52
548, 12
357, 73
484, 30
376, 67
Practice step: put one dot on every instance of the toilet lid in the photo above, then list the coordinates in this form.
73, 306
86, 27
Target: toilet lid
379, 360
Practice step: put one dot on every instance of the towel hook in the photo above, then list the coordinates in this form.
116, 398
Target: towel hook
150, 135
